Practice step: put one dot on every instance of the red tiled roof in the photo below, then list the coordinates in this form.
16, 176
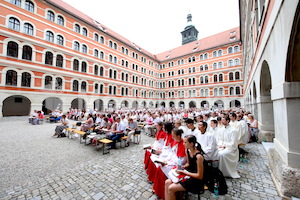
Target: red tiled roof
201, 45
205, 43
75, 12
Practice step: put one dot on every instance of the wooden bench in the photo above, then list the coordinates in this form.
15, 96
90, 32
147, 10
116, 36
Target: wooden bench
80, 133
69, 131
106, 148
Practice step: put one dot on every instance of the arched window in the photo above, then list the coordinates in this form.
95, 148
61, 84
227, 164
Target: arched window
96, 53
230, 76
220, 77
220, 52
205, 56
102, 39
29, 6
115, 74
101, 71
201, 80
83, 66
27, 52
83, 86
16, 2
59, 61
206, 79
110, 58
115, 46
96, 69
14, 23
236, 61
76, 65
48, 82
230, 63
101, 89
111, 73
221, 92
206, 93
77, 28
110, 44
84, 31
206, 67
237, 75
58, 83
110, 89
115, 90
96, 88
26, 79
237, 90
76, 46
60, 40
96, 37
50, 15
11, 78
215, 66
60, 20
231, 91
201, 57
215, 54
28, 29
12, 49
215, 78
201, 68
49, 58
122, 91
115, 60
202, 92
49, 36
75, 85
101, 55
84, 48
229, 50
236, 49
220, 65
215, 91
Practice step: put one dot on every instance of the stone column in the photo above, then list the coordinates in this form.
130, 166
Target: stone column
284, 161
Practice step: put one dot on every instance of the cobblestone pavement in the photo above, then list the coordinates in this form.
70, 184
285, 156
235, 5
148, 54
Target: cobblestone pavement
35, 165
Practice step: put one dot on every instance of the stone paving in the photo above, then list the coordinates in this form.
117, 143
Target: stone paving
35, 165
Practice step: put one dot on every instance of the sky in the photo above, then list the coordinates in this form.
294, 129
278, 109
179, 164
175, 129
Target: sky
155, 25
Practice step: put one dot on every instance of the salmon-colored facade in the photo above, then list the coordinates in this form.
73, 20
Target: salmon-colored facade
51, 52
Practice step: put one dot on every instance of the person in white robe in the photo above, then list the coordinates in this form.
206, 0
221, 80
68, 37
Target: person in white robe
214, 128
237, 125
178, 125
245, 131
228, 149
208, 143
192, 130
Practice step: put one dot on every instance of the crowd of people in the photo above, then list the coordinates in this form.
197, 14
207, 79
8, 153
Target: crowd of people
185, 137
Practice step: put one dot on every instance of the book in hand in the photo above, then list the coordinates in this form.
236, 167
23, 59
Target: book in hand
160, 162
147, 146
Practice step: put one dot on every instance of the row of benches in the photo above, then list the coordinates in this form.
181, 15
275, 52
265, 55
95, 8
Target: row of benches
106, 142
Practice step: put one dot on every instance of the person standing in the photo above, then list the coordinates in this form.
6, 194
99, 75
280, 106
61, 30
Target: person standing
228, 149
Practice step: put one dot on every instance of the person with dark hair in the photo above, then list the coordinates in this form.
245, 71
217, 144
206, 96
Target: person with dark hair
88, 123
192, 130
64, 124
168, 127
208, 143
194, 168
228, 149
118, 132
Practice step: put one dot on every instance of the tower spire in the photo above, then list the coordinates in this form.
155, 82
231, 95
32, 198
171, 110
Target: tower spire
190, 33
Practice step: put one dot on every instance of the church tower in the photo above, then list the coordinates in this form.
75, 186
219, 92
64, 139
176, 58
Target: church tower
190, 33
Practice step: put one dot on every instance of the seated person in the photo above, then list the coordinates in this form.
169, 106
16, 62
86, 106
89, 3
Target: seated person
228, 149
37, 119
88, 123
59, 128
193, 170
168, 127
33, 116
117, 133
208, 144
131, 128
